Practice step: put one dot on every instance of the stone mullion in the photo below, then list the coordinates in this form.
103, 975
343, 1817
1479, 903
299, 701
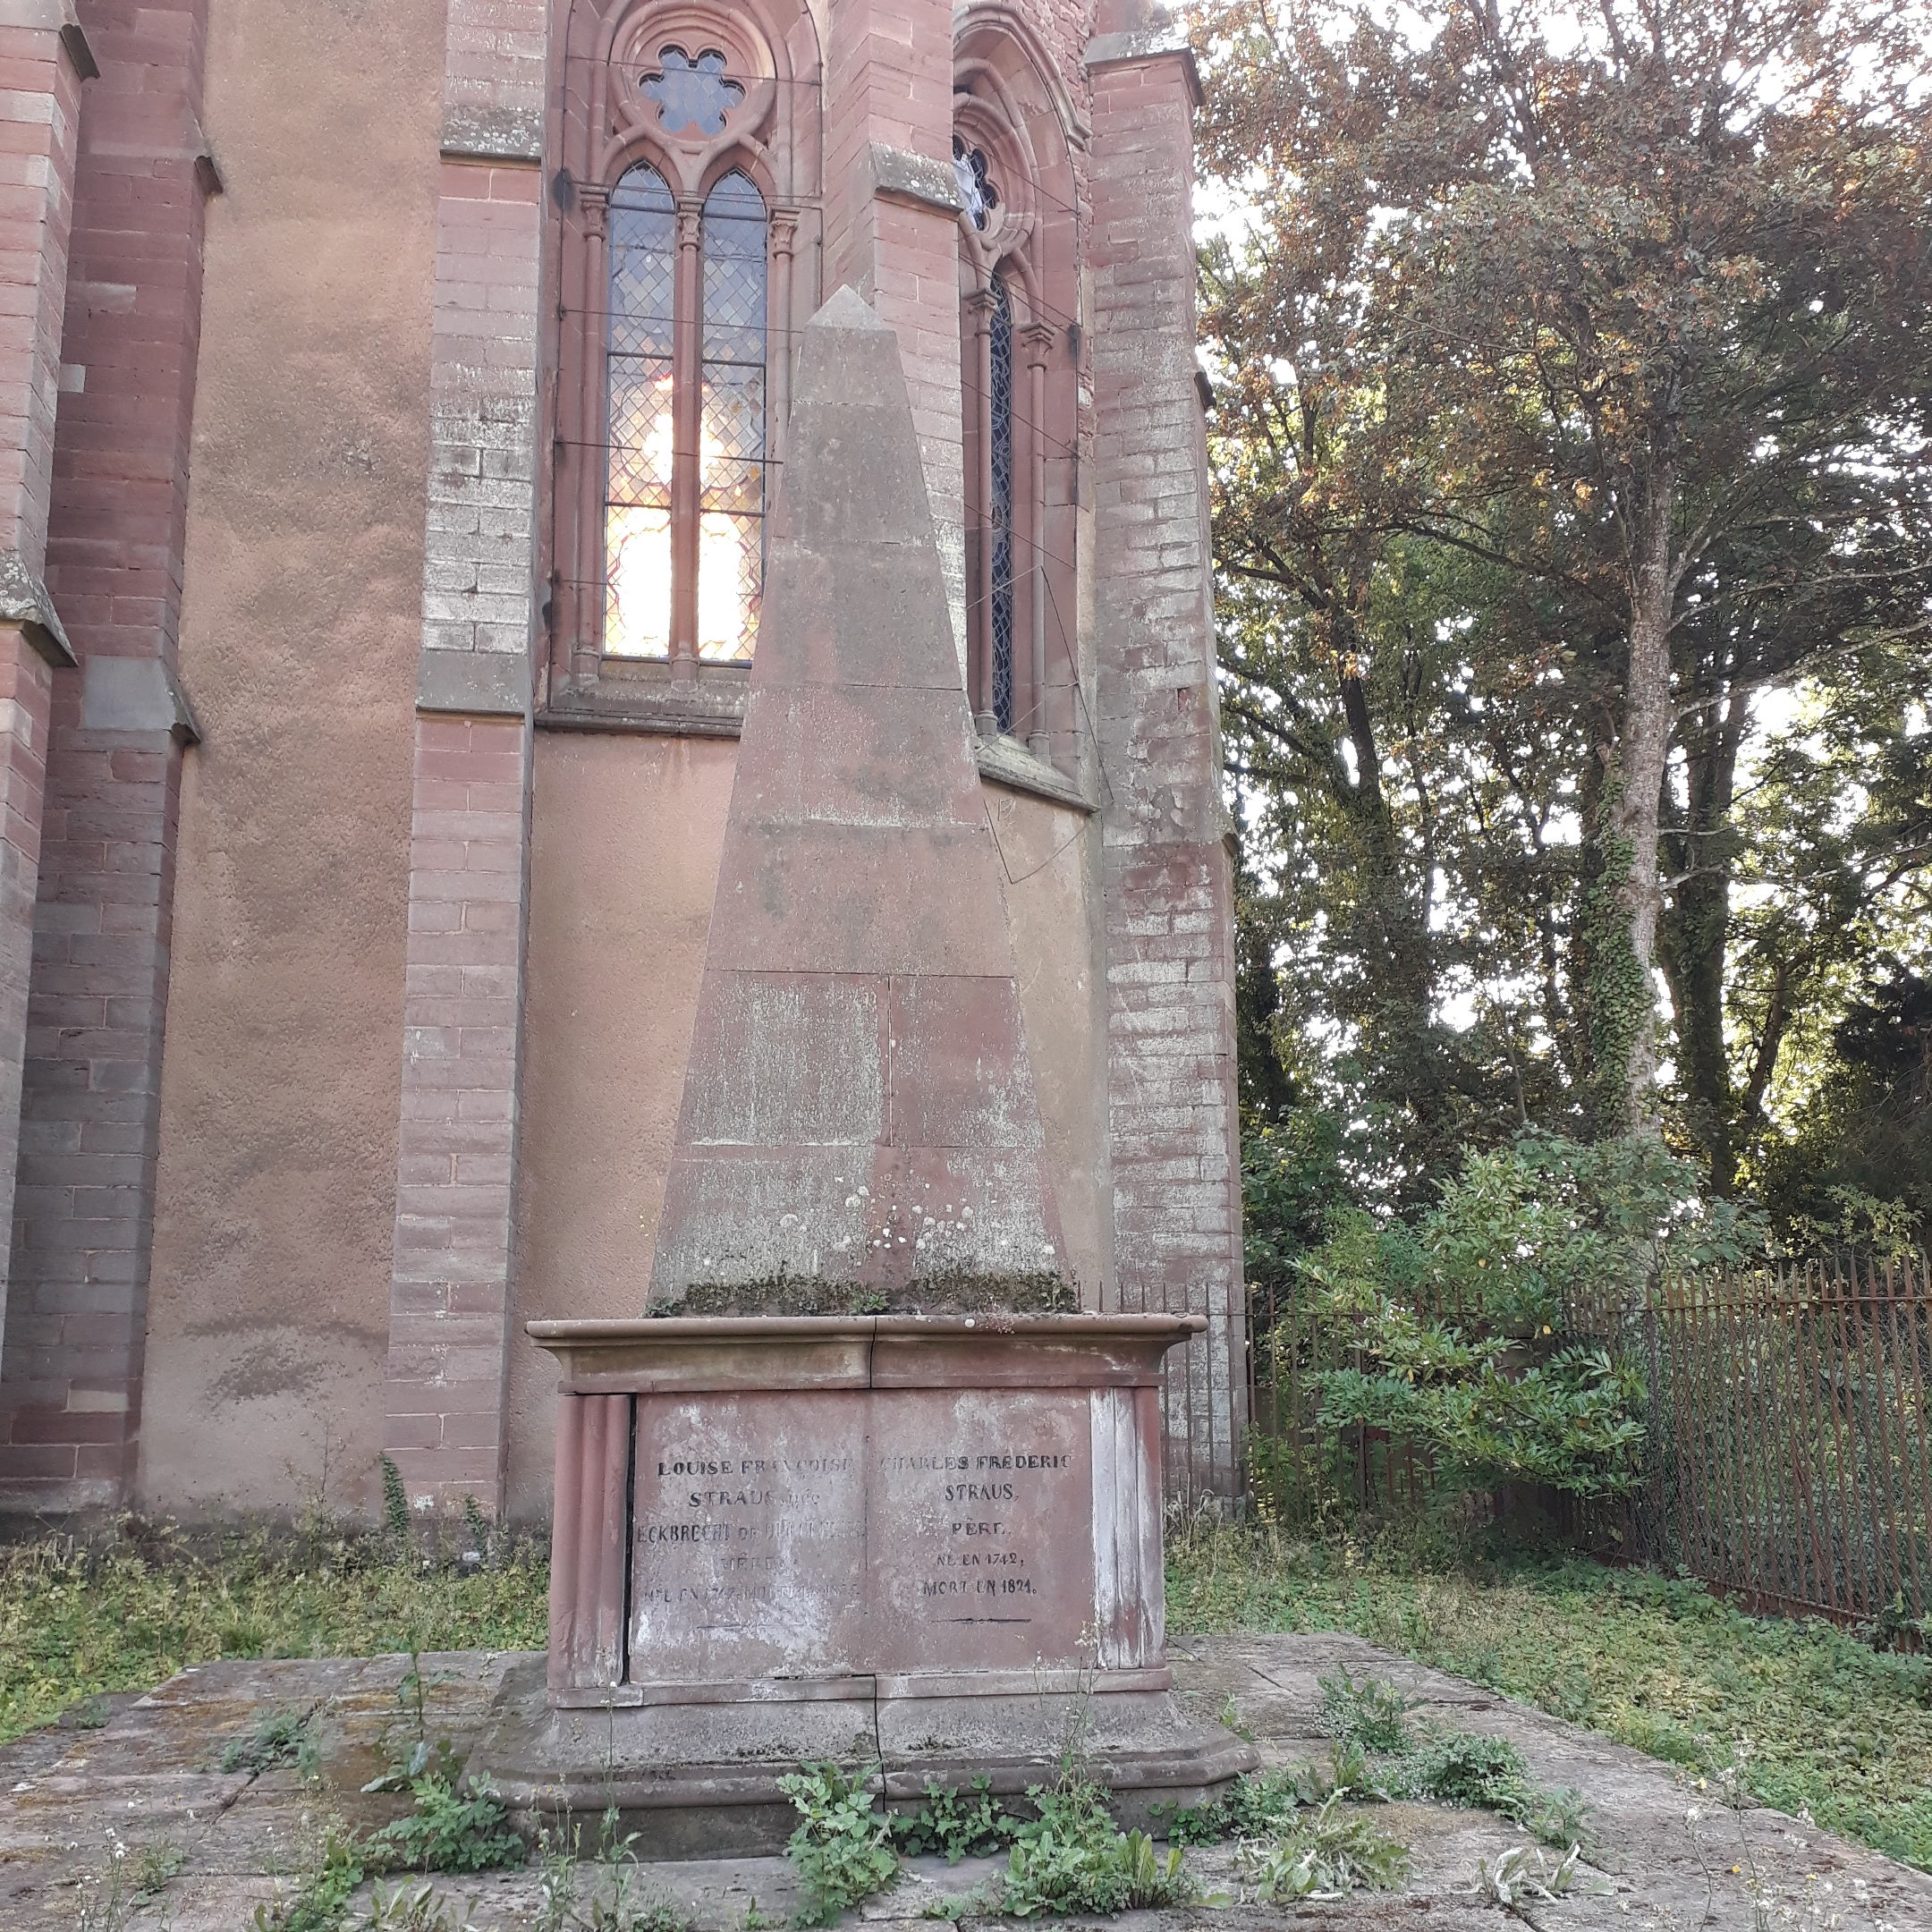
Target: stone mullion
687, 420
588, 450
980, 582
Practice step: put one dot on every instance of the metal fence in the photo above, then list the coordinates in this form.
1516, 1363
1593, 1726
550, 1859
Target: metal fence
1788, 1459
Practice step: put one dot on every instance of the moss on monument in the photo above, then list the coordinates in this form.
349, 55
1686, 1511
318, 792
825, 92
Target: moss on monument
949, 1291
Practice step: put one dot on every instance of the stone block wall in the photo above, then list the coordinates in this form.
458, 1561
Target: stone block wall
1173, 1124
71, 1374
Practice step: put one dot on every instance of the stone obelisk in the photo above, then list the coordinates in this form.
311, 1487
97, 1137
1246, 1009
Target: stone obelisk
860, 1117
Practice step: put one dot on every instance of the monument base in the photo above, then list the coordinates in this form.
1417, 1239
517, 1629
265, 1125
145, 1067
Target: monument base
928, 1544
696, 1774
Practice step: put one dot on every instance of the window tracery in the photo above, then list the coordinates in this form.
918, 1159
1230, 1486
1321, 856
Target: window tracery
678, 195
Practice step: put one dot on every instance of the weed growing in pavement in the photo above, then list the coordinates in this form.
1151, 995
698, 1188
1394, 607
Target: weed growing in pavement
956, 1824
1839, 1729
420, 1908
280, 1737
1257, 1803
330, 1869
1073, 1858
1371, 1714
843, 1848
1522, 1876
612, 1873
1326, 1854
157, 1865
1489, 1773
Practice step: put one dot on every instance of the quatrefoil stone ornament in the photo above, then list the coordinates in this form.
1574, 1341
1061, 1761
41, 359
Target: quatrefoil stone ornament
693, 97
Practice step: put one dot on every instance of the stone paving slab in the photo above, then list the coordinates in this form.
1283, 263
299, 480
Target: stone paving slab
152, 1773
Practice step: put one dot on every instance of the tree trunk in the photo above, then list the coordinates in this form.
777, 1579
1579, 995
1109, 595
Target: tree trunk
1645, 736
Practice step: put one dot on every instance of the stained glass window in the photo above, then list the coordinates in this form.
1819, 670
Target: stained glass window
693, 97
636, 503
653, 569
731, 474
1000, 628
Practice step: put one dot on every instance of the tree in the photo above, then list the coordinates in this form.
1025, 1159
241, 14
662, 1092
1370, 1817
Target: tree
1626, 306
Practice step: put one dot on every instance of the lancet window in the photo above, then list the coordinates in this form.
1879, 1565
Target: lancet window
1018, 380
687, 136
683, 515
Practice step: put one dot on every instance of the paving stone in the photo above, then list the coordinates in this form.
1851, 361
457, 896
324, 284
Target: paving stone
153, 1773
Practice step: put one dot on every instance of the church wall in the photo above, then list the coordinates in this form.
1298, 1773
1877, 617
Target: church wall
625, 838
302, 618
1053, 907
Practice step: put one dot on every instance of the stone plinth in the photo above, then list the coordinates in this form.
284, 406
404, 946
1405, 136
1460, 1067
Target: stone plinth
933, 1544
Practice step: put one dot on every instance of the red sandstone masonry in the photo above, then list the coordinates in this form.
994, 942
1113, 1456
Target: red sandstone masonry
450, 1300
450, 1316
40, 81
889, 84
1169, 970
83, 1217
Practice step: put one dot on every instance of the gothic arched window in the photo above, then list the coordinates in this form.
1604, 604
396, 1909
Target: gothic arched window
1000, 508
684, 502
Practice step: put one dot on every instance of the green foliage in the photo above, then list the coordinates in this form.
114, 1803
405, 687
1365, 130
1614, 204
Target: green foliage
156, 1866
452, 1827
842, 1850
1326, 1854
1617, 995
1458, 1325
612, 1904
332, 1868
420, 1908
1258, 1805
1522, 1876
1839, 1732
1071, 1859
1292, 1184
78, 1618
395, 1501
1552, 435
1489, 1773
1372, 1715
280, 1737
956, 1824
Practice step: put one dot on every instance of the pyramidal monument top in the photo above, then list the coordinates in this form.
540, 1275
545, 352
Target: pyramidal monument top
859, 1127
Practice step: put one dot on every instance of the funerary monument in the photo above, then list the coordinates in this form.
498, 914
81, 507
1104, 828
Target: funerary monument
931, 1534
403, 400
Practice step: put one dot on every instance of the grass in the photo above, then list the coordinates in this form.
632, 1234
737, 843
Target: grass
1818, 1723
1825, 1725
78, 1618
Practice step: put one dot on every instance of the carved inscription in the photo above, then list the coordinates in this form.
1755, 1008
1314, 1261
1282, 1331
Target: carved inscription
980, 1518
748, 1532
918, 1530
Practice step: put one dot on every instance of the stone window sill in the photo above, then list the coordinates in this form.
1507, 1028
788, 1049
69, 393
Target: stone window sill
641, 698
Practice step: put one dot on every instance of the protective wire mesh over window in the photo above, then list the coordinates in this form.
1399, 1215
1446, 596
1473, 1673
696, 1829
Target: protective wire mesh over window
684, 512
637, 513
730, 477
1001, 506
